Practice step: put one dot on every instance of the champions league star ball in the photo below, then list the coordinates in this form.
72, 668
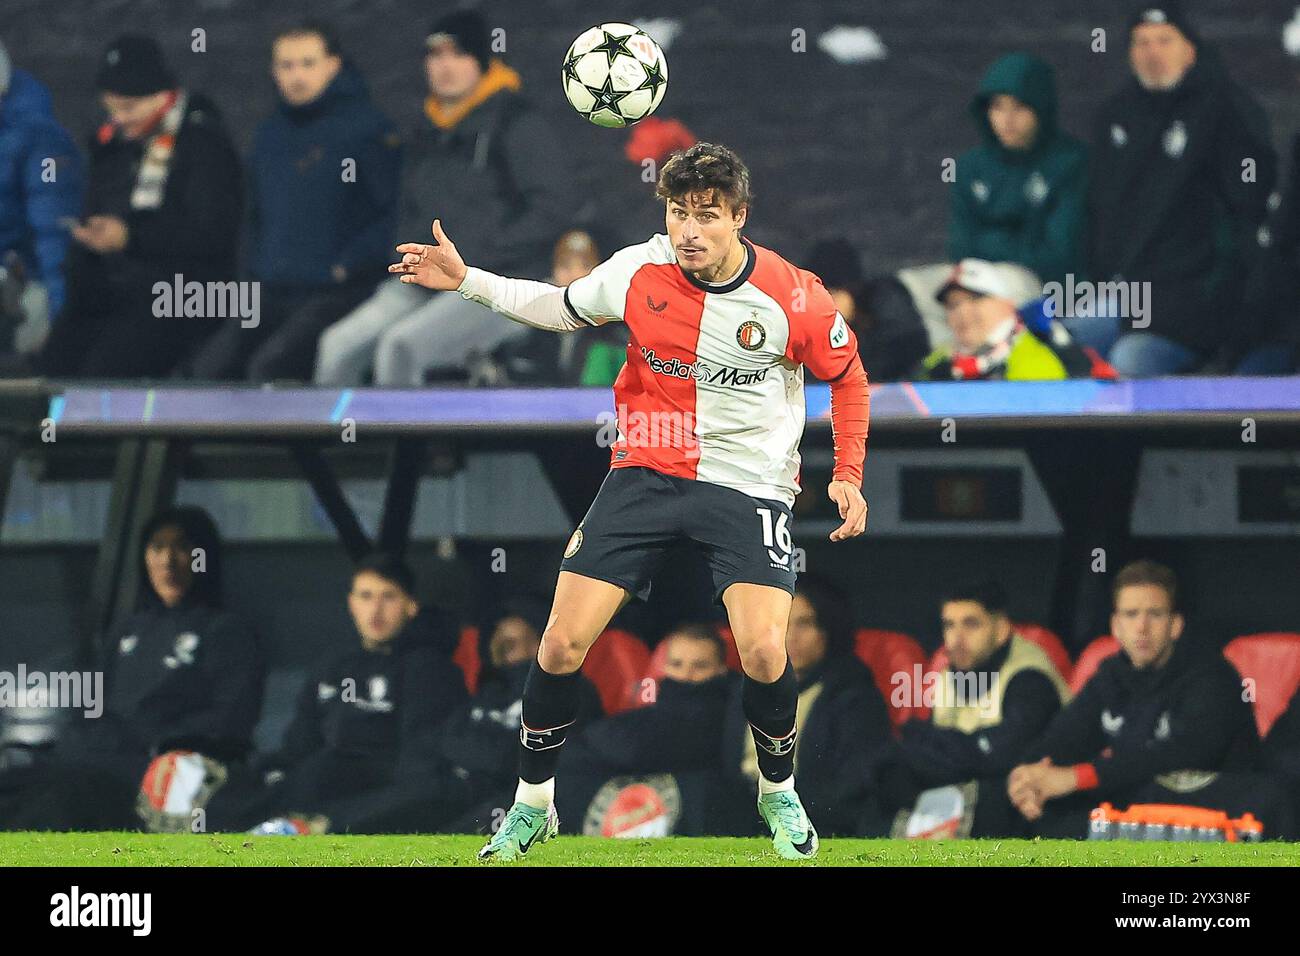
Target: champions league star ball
615, 75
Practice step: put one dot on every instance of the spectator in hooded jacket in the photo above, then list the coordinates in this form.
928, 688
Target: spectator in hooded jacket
1019, 197
1182, 167
487, 165
842, 722
41, 183
366, 721
164, 199
180, 674
323, 178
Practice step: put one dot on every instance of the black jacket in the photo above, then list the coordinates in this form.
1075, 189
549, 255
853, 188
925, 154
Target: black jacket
188, 677
382, 704
1133, 725
499, 182
1281, 748
1167, 202
1272, 309
193, 232
680, 731
304, 216
891, 336
840, 741
938, 756
480, 741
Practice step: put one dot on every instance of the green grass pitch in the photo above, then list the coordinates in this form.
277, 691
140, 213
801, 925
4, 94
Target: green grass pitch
137, 849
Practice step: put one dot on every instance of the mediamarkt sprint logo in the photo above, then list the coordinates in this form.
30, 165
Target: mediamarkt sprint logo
701, 371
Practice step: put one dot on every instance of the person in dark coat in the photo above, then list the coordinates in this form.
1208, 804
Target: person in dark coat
1270, 317
1020, 195
1164, 721
678, 731
41, 183
164, 200
366, 721
484, 161
842, 720
1183, 164
1281, 752
996, 696
181, 673
323, 178
892, 339
479, 744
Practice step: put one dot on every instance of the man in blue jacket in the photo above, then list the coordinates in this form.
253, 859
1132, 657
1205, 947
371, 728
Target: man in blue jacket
323, 181
40, 184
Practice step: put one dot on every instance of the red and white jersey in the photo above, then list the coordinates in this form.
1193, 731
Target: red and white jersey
713, 385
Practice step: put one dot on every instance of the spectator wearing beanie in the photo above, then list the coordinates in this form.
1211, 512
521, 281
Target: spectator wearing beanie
164, 199
318, 238
32, 205
1019, 197
1168, 201
891, 336
485, 163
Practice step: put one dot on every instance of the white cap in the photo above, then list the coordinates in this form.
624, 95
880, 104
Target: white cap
1006, 280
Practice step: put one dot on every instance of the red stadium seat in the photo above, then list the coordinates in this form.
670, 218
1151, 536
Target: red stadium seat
1272, 661
466, 657
1091, 658
1049, 642
616, 664
888, 653
733, 655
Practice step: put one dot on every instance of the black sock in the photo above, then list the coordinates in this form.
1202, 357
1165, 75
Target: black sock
770, 710
550, 708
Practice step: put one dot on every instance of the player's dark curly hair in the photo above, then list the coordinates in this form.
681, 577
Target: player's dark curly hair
706, 166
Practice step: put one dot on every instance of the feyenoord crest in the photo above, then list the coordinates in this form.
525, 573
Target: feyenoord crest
751, 335
575, 542
635, 807
1117, 135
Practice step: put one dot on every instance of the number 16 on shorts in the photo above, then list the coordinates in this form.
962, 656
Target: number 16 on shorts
776, 536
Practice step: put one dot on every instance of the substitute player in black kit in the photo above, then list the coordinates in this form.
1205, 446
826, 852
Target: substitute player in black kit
710, 412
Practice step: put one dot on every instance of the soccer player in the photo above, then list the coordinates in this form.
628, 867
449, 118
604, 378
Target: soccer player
710, 411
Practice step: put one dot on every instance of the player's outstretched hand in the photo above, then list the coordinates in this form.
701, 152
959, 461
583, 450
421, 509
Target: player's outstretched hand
853, 509
437, 267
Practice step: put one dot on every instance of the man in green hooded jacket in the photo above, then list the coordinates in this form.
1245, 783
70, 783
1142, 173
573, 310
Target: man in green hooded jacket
1020, 196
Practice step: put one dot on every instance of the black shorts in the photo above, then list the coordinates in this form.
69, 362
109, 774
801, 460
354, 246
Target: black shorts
640, 513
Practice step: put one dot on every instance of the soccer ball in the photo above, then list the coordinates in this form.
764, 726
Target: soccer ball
615, 74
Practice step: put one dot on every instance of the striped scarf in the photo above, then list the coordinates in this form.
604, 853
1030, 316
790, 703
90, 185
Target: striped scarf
990, 359
156, 163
